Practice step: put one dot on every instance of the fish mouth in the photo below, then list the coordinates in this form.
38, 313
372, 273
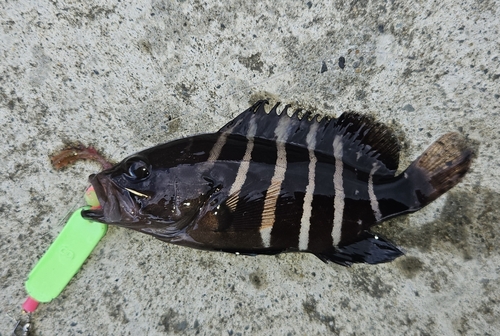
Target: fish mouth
115, 203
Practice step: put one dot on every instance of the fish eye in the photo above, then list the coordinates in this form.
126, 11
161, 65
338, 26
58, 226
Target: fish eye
137, 169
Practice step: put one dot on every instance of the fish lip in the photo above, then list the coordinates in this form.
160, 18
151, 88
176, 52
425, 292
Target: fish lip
99, 190
97, 213
109, 210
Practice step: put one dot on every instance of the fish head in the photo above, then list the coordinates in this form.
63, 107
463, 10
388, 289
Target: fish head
143, 194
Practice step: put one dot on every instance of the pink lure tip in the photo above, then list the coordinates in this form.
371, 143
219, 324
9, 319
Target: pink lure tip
30, 304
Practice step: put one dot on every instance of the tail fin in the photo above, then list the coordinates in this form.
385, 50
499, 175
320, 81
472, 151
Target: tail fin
440, 167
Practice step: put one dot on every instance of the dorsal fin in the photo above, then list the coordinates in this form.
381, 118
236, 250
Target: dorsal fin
367, 145
268, 122
240, 124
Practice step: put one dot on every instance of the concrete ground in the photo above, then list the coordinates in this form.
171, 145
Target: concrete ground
127, 75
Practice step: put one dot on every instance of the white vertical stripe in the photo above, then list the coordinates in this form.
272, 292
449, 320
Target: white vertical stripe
217, 148
245, 163
338, 183
269, 213
305, 221
371, 193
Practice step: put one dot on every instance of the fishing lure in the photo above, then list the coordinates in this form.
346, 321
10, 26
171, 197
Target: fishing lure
268, 183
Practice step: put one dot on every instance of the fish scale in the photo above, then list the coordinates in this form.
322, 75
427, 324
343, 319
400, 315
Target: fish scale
268, 183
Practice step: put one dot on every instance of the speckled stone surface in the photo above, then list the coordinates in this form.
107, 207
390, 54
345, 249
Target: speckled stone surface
124, 76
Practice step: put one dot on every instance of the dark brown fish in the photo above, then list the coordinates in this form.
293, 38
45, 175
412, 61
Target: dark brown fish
269, 183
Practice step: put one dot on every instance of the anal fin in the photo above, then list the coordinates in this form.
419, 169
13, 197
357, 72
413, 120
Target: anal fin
370, 249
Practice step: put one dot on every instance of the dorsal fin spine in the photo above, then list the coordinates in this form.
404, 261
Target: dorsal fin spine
275, 108
258, 107
285, 110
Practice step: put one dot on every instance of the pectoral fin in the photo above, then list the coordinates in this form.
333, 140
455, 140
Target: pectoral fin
370, 249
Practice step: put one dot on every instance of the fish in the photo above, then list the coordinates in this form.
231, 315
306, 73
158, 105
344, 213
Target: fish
268, 183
